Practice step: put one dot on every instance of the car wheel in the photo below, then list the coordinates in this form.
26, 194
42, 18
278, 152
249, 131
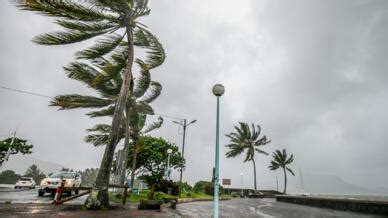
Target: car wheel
16, 187
68, 193
40, 193
76, 192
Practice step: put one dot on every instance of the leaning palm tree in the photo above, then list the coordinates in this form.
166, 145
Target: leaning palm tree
281, 160
107, 19
247, 139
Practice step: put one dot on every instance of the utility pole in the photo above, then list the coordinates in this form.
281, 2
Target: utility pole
183, 148
184, 124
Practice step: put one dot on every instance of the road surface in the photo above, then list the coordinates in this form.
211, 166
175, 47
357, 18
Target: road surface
27, 201
30, 196
259, 208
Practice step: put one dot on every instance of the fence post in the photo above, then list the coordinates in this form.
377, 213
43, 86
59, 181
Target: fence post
125, 194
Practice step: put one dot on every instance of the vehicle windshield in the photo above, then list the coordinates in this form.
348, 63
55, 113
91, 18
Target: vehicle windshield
64, 175
24, 179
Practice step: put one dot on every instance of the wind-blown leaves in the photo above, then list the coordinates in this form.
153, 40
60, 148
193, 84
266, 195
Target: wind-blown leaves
153, 92
65, 9
68, 37
101, 48
280, 159
83, 26
246, 139
143, 82
79, 101
153, 126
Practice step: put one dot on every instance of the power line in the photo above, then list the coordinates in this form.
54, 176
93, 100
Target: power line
46, 96
25, 92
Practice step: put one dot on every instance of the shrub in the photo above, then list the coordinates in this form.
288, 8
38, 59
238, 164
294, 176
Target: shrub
206, 187
165, 185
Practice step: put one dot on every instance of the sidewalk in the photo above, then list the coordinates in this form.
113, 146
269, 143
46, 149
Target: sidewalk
65, 210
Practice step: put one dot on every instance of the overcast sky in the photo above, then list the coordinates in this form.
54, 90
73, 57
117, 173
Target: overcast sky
313, 74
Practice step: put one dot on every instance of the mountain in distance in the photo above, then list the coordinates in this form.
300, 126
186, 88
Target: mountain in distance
20, 164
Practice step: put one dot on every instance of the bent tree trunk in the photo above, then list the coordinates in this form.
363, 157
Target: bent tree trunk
285, 181
102, 180
134, 162
254, 173
124, 162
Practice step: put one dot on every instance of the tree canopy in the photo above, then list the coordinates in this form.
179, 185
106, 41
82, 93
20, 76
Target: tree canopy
34, 172
152, 159
18, 146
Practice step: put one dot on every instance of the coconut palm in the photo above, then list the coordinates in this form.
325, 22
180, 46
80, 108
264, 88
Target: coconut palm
281, 160
116, 23
247, 140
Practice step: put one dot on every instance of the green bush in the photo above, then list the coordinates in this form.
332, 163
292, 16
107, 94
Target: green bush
206, 187
166, 185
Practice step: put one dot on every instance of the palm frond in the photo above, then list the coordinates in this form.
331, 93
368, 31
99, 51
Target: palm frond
65, 37
140, 8
289, 170
65, 9
109, 111
101, 48
86, 26
153, 126
79, 101
155, 51
153, 93
143, 82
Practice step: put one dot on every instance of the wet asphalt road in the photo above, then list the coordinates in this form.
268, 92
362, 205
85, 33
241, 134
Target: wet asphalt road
259, 208
30, 196
230, 208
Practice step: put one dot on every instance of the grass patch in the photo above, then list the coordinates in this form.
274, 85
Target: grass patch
143, 195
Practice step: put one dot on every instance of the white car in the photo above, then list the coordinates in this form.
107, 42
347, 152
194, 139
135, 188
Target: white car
25, 182
50, 184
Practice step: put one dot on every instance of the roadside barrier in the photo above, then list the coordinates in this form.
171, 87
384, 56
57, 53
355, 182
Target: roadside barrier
60, 189
125, 192
58, 193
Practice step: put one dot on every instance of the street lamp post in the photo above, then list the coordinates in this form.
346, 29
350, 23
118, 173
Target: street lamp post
242, 184
218, 91
169, 151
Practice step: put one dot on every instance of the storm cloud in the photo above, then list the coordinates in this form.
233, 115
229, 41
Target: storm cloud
311, 73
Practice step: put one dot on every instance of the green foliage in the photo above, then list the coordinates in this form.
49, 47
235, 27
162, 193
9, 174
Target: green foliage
18, 146
34, 172
9, 177
167, 186
152, 160
185, 187
246, 139
281, 160
88, 176
206, 187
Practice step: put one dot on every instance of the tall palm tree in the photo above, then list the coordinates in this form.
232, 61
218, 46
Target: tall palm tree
100, 18
281, 160
247, 139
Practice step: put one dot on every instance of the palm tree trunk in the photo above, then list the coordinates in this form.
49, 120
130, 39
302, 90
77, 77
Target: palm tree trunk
254, 173
285, 181
125, 150
102, 180
134, 162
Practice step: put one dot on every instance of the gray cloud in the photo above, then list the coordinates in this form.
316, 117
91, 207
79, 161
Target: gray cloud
311, 73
